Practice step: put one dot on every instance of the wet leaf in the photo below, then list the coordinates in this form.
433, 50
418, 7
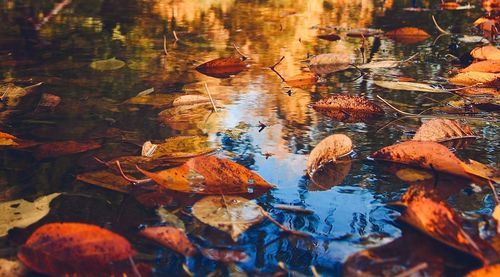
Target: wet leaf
21, 213
12, 268
408, 35
7, 139
180, 117
329, 63
329, 37
109, 64
408, 86
487, 271
222, 67
172, 238
105, 179
496, 216
380, 64
364, 32
209, 175
63, 148
440, 222
302, 79
473, 77
230, 214
170, 219
223, 255
182, 147
442, 130
329, 175
490, 66
329, 149
73, 248
190, 100
487, 52
348, 108
155, 100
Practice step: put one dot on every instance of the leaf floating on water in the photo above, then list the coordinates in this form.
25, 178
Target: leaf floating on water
109, 64
209, 175
329, 149
73, 249
408, 35
105, 179
172, 238
472, 78
441, 130
21, 213
302, 79
62, 148
190, 100
487, 271
490, 66
364, 32
223, 255
329, 37
410, 86
222, 67
170, 219
449, 5
231, 214
340, 60
488, 52
380, 64
182, 147
348, 108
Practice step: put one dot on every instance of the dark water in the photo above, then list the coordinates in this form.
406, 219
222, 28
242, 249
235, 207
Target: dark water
348, 217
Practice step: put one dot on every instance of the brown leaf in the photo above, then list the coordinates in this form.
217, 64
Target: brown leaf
49, 101
450, 5
303, 79
190, 100
222, 67
488, 52
487, 271
223, 255
73, 248
473, 77
105, 179
62, 148
348, 108
440, 222
209, 175
364, 32
408, 35
329, 175
330, 62
171, 237
490, 66
329, 149
442, 130
329, 37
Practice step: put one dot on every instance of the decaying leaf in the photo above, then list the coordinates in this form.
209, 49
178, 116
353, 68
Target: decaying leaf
223, 255
222, 67
490, 66
105, 179
73, 249
12, 268
348, 108
63, 148
11, 94
329, 37
329, 149
408, 35
109, 64
330, 62
209, 175
7, 139
487, 271
440, 222
441, 130
473, 77
21, 213
408, 86
230, 214
487, 52
182, 147
172, 238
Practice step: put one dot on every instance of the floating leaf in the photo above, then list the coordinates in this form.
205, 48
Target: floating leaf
209, 175
73, 249
222, 67
190, 100
105, 179
62, 148
329, 149
21, 213
172, 238
302, 79
408, 86
170, 218
11, 94
348, 108
488, 52
490, 66
380, 64
109, 64
182, 147
496, 216
7, 139
472, 78
408, 35
487, 271
442, 130
223, 255
440, 222
329, 37
364, 32
329, 63
230, 214
329, 175
449, 5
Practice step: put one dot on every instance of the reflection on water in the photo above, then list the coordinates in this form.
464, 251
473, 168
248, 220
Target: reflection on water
349, 211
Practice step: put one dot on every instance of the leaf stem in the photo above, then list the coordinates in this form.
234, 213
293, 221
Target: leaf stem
210, 95
243, 56
281, 226
438, 27
394, 108
131, 180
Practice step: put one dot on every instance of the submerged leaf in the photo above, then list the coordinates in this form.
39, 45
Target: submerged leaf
329, 37
209, 175
21, 213
380, 64
329, 63
303, 79
109, 64
329, 175
62, 148
190, 99
408, 86
73, 249
329, 149
172, 238
441, 130
230, 214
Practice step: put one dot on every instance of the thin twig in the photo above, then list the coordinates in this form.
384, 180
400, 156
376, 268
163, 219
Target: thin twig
244, 57
413, 270
131, 180
210, 95
175, 36
33, 86
314, 271
360, 71
394, 108
134, 267
411, 57
438, 27
494, 191
281, 226
165, 45
295, 209
276, 64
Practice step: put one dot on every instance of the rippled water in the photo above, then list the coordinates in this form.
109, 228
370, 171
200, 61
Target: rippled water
348, 217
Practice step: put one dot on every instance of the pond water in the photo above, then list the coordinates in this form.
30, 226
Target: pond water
350, 211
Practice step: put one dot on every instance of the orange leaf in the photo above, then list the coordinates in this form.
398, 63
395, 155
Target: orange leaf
491, 66
62, 148
72, 248
408, 35
172, 238
348, 108
302, 79
487, 271
488, 52
222, 67
473, 77
441, 130
450, 5
209, 175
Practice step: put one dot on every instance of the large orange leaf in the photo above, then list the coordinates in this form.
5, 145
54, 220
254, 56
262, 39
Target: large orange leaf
209, 175
491, 66
474, 77
172, 238
73, 248
488, 52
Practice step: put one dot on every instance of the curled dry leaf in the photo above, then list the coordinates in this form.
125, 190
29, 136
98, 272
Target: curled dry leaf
348, 108
62, 148
73, 249
223, 255
109, 64
329, 149
440, 222
487, 271
21, 213
473, 77
222, 67
408, 35
172, 238
441, 130
209, 175
488, 52
490, 66
410, 86
230, 214
329, 37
